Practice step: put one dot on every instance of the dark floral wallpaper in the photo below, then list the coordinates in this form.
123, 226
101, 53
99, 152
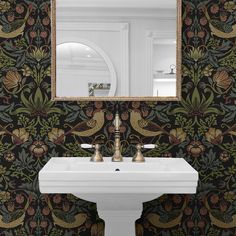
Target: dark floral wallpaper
201, 128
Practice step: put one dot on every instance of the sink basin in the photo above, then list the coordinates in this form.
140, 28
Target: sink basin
118, 188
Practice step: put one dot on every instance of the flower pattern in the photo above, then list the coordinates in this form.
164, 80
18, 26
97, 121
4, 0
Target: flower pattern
12, 80
222, 79
38, 148
200, 128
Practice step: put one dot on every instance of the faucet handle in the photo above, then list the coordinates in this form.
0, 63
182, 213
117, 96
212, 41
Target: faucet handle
86, 145
97, 156
138, 157
149, 146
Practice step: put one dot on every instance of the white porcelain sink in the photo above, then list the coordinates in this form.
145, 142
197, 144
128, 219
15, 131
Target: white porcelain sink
119, 189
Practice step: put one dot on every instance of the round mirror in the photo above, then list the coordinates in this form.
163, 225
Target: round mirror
85, 69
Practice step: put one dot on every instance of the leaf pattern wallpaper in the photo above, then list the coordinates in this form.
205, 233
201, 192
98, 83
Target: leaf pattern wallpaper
200, 128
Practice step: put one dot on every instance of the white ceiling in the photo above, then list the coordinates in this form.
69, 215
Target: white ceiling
161, 4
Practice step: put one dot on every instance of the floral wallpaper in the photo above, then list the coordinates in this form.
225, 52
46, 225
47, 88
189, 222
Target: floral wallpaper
200, 128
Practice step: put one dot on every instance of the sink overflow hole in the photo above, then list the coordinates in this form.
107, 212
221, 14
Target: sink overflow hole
117, 169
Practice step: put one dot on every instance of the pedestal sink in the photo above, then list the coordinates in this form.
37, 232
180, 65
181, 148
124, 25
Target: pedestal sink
119, 189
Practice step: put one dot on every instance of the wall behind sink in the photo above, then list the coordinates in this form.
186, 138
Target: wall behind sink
201, 128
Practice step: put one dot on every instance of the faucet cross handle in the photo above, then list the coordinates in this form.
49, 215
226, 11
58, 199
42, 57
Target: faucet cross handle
138, 157
97, 156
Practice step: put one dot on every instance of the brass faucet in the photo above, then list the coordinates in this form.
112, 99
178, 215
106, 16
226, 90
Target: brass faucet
117, 157
138, 157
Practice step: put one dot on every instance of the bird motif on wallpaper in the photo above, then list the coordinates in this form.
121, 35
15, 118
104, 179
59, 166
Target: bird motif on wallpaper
218, 222
78, 220
155, 219
86, 128
219, 28
14, 29
7, 224
90, 127
145, 127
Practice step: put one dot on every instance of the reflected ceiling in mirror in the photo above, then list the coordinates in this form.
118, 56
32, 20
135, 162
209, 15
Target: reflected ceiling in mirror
116, 50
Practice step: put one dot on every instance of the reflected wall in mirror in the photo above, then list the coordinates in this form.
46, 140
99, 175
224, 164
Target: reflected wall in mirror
161, 73
84, 69
116, 50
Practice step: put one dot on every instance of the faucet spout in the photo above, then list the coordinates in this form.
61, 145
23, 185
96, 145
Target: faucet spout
117, 157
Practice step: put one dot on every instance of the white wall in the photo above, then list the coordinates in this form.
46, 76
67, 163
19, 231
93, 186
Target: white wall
103, 41
164, 87
167, 53
138, 51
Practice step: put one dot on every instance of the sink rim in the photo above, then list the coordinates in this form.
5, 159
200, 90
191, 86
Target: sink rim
58, 162
109, 166
112, 181
56, 169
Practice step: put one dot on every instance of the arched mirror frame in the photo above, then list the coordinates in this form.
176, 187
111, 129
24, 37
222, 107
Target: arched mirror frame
149, 98
105, 57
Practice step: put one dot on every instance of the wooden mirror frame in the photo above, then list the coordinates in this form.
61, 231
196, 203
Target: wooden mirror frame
149, 98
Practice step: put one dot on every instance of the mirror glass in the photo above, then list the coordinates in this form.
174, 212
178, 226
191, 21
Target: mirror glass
82, 70
116, 49
164, 70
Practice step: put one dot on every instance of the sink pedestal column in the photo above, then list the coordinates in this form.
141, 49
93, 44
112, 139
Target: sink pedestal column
119, 223
119, 210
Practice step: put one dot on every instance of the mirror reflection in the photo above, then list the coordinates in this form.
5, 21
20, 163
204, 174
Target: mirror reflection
82, 70
164, 70
116, 49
